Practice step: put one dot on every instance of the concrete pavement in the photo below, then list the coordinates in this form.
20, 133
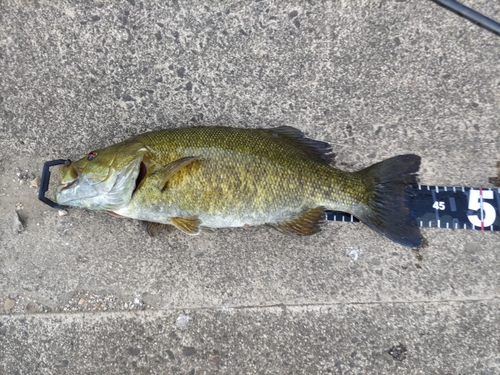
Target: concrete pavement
89, 293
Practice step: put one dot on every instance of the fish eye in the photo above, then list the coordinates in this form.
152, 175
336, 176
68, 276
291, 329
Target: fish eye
91, 156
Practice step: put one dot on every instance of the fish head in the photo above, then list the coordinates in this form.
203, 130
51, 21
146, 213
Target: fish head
104, 179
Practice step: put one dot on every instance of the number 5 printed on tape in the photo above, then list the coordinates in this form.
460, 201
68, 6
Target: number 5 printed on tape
487, 214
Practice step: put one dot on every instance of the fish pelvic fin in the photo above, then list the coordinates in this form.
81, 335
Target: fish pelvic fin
387, 210
189, 225
303, 225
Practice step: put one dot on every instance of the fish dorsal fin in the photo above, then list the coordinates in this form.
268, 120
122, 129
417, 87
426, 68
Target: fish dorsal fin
189, 225
172, 168
316, 150
305, 224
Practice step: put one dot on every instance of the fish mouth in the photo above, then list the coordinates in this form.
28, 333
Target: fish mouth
67, 185
96, 192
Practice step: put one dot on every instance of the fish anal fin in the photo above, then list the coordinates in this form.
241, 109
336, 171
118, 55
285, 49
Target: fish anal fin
316, 150
155, 229
305, 224
189, 225
172, 168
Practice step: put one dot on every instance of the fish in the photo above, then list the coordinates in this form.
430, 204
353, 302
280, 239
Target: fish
197, 179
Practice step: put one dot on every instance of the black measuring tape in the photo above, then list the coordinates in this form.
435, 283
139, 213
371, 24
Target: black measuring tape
447, 207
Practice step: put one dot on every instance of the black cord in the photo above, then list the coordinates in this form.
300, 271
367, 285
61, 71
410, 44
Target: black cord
471, 15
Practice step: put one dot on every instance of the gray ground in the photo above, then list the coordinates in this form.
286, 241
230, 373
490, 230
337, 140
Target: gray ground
89, 293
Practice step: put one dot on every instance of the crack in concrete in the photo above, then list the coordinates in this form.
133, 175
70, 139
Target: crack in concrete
270, 307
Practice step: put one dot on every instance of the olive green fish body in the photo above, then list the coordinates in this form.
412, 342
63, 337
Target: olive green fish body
239, 177
213, 177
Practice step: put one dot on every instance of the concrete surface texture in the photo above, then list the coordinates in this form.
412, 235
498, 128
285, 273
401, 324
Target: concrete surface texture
87, 293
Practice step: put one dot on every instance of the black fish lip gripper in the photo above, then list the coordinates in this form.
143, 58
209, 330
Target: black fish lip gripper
44, 185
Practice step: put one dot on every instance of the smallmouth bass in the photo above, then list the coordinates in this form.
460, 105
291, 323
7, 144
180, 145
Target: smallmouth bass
214, 177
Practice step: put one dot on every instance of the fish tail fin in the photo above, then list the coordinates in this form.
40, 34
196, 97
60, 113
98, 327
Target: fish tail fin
387, 210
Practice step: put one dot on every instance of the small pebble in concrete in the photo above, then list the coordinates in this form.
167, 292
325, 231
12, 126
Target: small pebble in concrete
137, 301
9, 304
398, 352
182, 321
35, 183
355, 253
17, 224
188, 351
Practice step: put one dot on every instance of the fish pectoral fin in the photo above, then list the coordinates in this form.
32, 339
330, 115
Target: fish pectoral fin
305, 224
189, 225
155, 229
172, 168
